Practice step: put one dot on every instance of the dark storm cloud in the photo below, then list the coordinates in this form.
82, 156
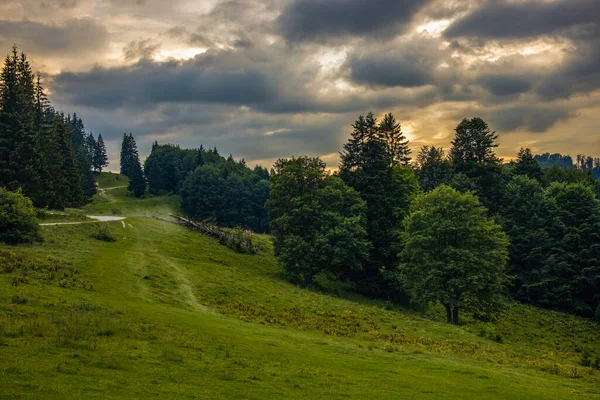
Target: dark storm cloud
532, 118
389, 71
72, 36
148, 82
408, 63
500, 19
505, 85
323, 20
579, 74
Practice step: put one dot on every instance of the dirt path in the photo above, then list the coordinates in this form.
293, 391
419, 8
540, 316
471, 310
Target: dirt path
96, 218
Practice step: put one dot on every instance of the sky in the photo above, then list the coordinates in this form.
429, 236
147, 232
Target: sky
265, 79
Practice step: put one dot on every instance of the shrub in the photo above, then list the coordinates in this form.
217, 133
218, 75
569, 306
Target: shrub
18, 221
597, 316
102, 233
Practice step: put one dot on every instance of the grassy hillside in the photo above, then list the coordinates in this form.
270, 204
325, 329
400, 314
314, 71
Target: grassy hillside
168, 312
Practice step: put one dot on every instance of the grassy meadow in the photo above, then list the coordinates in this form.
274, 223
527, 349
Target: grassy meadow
166, 312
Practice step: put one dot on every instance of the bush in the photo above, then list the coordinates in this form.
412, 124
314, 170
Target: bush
597, 316
18, 218
103, 234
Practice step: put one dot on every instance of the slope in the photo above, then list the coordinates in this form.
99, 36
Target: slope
168, 312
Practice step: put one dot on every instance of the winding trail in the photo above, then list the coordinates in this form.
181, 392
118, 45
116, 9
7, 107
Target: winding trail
96, 218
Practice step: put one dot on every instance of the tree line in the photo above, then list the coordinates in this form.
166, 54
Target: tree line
461, 227
212, 188
44, 153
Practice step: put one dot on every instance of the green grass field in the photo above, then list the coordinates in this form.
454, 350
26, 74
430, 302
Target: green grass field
166, 312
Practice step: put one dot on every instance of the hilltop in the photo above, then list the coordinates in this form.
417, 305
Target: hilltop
164, 311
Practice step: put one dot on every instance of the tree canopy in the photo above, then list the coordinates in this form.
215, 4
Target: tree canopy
453, 253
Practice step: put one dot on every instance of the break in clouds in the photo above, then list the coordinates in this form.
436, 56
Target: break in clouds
264, 79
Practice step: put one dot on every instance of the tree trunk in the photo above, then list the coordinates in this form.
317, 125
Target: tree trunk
455, 316
448, 313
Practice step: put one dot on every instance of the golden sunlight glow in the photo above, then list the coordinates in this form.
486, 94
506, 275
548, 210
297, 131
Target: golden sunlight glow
434, 28
179, 53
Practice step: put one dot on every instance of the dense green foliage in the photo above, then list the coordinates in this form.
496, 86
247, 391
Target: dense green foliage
318, 222
131, 166
433, 168
18, 222
168, 166
526, 165
228, 193
368, 165
453, 254
475, 164
129, 155
43, 152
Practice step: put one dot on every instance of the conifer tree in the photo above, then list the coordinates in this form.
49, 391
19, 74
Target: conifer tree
366, 167
433, 169
395, 141
17, 119
100, 157
70, 171
475, 163
137, 182
527, 165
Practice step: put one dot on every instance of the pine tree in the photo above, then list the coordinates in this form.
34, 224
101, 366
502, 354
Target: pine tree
433, 169
129, 155
200, 157
475, 164
137, 182
17, 124
43, 127
366, 167
474, 143
100, 157
70, 171
126, 165
396, 143
526, 165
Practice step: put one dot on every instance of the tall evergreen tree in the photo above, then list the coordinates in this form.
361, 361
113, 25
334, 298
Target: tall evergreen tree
17, 123
433, 169
395, 141
527, 165
366, 167
100, 157
129, 155
137, 181
475, 162
78, 140
70, 171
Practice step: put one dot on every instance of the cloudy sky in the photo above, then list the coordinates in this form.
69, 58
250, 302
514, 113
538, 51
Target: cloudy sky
264, 79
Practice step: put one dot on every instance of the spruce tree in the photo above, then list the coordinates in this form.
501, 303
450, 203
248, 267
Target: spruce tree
366, 167
129, 155
137, 182
527, 165
395, 141
17, 126
69, 168
433, 169
100, 157
475, 163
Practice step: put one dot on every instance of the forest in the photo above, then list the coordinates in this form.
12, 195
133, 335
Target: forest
459, 227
